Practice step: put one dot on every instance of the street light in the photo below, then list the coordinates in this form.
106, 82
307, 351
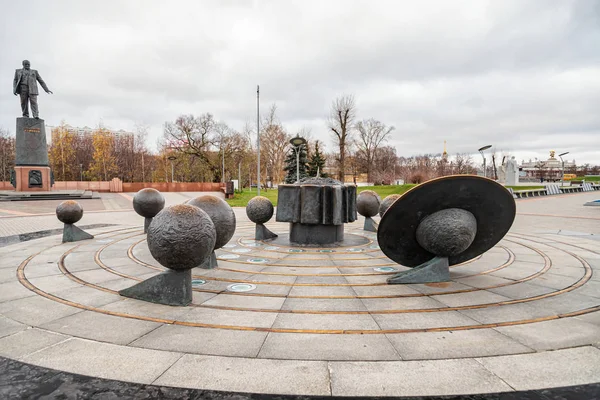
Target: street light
81, 172
297, 142
562, 178
172, 158
481, 150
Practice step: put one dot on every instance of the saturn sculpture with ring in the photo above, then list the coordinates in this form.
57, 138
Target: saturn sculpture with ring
443, 222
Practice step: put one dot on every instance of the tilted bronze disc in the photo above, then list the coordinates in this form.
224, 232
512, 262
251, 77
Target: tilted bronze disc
492, 205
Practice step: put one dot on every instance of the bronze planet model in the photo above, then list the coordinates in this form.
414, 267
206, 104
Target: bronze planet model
443, 222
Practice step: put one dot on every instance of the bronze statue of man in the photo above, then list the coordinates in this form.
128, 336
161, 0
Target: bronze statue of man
25, 84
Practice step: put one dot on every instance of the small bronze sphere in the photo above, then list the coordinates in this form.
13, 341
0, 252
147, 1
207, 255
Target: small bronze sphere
259, 210
69, 212
387, 202
367, 203
181, 237
148, 202
447, 232
221, 214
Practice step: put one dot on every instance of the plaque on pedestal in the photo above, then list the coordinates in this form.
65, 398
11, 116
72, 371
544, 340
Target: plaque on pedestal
31, 142
32, 172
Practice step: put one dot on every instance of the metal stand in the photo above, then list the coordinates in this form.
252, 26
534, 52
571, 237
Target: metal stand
172, 288
370, 225
147, 221
210, 262
434, 270
262, 233
71, 233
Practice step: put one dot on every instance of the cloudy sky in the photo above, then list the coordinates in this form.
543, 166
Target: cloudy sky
521, 75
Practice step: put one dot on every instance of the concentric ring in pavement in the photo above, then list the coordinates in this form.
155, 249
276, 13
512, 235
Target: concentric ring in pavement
305, 311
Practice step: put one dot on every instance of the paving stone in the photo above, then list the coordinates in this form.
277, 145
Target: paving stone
454, 344
592, 318
440, 319
302, 346
522, 290
101, 327
470, 298
323, 280
185, 339
346, 291
36, 310
554, 281
402, 303
508, 312
555, 334
229, 318
13, 290
388, 290
88, 296
248, 375
412, 378
237, 301
146, 309
484, 281
567, 302
105, 360
9, 326
53, 283
517, 271
441, 287
324, 304
548, 369
326, 322
28, 341
7, 275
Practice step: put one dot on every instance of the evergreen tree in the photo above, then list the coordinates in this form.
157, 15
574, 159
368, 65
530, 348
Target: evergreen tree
317, 163
290, 164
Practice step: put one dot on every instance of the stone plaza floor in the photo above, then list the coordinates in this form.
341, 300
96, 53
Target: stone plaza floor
523, 316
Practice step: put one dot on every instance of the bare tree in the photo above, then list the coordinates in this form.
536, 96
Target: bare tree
371, 133
463, 164
274, 141
341, 119
191, 135
7, 153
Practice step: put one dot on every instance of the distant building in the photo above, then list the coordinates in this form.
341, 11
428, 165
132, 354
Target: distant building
86, 130
550, 169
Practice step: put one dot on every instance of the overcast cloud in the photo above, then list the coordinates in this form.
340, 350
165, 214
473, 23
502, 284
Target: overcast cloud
521, 75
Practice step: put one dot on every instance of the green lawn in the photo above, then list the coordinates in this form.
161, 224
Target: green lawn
386, 190
590, 178
241, 199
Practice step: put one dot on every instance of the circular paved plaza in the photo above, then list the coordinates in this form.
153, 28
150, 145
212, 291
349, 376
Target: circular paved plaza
278, 319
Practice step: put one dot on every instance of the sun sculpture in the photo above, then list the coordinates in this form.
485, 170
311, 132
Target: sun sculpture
223, 218
260, 210
148, 202
316, 209
69, 212
180, 238
444, 222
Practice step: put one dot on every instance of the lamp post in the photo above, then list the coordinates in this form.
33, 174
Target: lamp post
481, 150
172, 158
258, 139
81, 172
297, 142
562, 178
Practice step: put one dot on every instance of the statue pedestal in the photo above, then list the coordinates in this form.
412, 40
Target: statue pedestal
32, 172
32, 179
